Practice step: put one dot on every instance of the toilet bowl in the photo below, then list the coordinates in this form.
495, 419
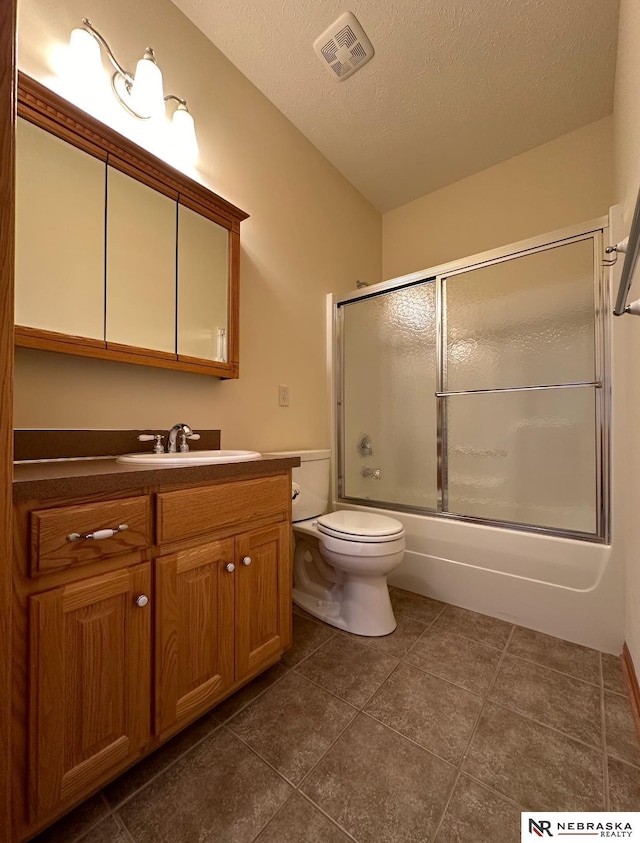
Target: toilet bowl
341, 559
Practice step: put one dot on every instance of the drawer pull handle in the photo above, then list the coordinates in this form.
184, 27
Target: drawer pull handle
246, 560
98, 534
141, 601
230, 567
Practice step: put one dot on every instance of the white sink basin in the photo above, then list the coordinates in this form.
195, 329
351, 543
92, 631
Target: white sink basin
190, 458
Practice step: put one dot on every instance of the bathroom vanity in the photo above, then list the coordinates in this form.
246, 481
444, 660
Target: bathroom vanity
142, 598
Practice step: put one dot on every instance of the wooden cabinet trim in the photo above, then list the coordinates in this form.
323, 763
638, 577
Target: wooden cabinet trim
43, 340
8, 45
188, 513
45, 108
84, 593
51, 551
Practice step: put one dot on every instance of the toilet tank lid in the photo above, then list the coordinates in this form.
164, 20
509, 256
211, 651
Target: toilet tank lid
305, 456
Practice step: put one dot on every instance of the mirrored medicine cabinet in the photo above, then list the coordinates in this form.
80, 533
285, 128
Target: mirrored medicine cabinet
118, 255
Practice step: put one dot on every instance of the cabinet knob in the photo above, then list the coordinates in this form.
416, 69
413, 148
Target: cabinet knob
246, 560
230, 567
142, 600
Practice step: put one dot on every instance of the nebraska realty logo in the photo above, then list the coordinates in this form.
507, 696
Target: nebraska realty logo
576, 824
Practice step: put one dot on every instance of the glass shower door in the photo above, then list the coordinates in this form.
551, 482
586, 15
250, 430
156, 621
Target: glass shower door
479, 394
519, 390
389, 418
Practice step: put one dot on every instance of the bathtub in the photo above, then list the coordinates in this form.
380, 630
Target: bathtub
566, 588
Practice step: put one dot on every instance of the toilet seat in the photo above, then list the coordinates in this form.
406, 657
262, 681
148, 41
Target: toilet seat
364, 527
357, 548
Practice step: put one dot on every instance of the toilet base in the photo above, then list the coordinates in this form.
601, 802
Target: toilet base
364, 607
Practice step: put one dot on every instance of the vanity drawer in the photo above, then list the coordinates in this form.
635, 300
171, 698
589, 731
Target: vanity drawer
52, 549
193, 512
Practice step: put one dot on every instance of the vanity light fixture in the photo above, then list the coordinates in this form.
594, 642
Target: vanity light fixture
141, 94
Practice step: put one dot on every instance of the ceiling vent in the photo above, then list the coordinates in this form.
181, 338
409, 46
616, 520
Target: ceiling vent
344, 47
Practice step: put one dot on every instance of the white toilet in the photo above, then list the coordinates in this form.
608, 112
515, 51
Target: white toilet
341, 559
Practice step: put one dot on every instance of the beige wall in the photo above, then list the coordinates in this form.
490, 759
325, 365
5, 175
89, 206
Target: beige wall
310, 233
627, 329
566, 181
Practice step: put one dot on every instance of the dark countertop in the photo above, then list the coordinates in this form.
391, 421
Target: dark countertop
74, 478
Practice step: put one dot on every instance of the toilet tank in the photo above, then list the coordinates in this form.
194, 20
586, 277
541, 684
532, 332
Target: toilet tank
311, 480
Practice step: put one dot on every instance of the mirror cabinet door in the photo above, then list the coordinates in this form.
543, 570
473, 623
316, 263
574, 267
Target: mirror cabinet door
118, 255
59, 268
203, 282
141, 265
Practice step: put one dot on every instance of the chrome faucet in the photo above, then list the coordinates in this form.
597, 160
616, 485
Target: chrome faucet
182, 428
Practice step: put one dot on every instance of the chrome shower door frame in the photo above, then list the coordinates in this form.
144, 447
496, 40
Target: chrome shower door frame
593, 230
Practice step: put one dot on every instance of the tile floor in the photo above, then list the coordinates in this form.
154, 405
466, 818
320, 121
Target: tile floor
442, 731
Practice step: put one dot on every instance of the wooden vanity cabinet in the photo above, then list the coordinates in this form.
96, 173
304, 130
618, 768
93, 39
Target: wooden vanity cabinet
120, 643
262, 595
89, 648
223, 608
194, 611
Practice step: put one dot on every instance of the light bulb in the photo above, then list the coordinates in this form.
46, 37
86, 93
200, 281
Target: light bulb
184, 135
147, 96
84, 53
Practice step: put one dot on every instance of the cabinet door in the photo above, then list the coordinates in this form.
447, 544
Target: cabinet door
141, 265
90, 684
263, 597
59, 268
203, 286
194, 632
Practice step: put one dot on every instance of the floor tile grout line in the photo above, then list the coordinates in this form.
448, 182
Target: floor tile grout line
85, 831
593, 746
355, 710
329, 748
217, 725
110, 812
161, 772
312, 652
371, 641
428, 624
253, 699
493, 790
384, 681
362, 713
444, 679
484, 644
325, 814
427, 673
124, 827
451, 764
616, 693
472, 734
273, 816
595, 684
262, 758
603, 740
612, 754
331, 693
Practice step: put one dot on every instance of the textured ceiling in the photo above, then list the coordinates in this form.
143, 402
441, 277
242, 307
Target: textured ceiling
454, 87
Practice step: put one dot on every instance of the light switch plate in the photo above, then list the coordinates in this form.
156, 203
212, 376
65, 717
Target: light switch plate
283, 395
